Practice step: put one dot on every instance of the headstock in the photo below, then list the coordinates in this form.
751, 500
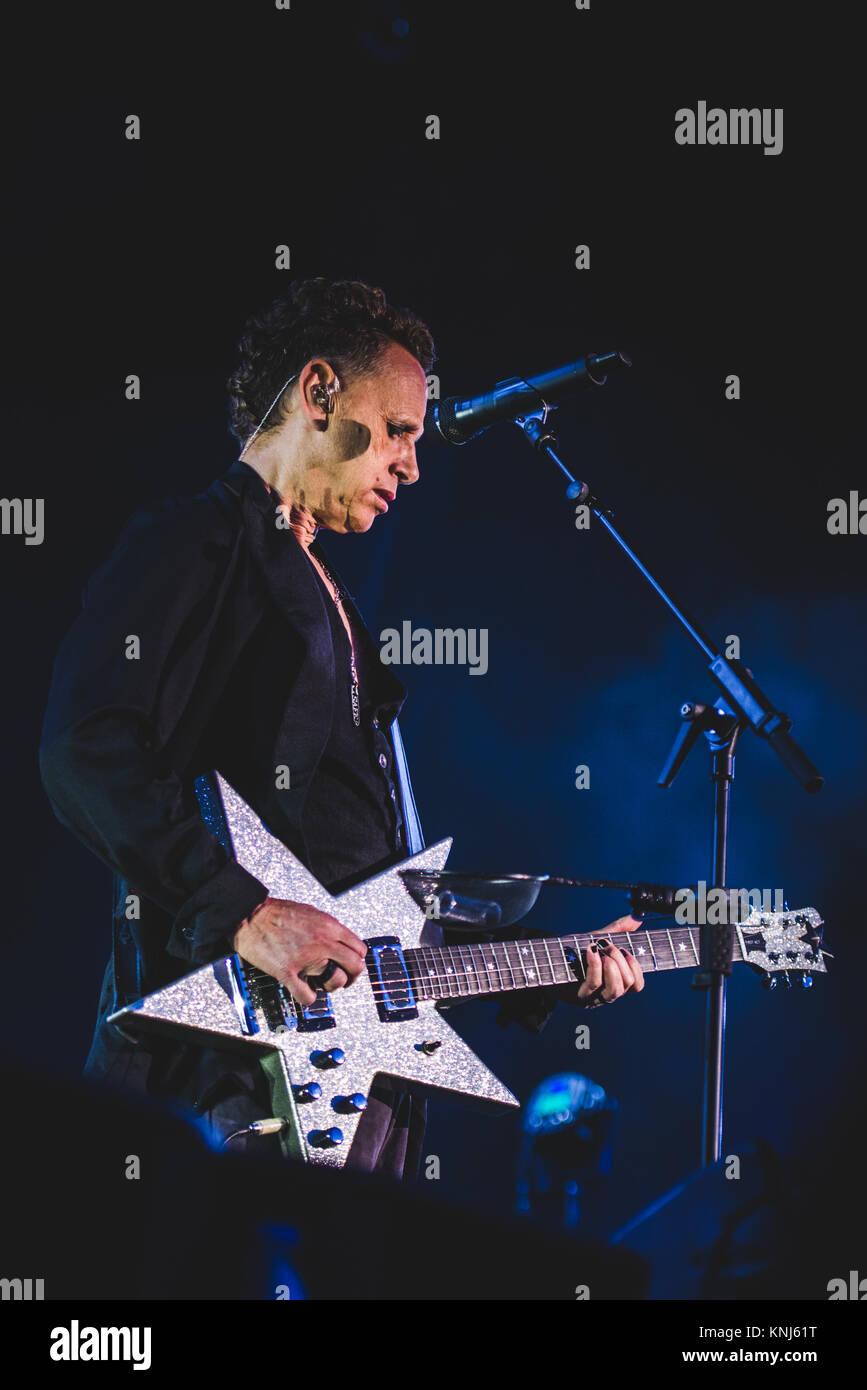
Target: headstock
781, 944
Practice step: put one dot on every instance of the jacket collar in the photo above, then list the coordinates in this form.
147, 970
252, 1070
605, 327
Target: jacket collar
292, 583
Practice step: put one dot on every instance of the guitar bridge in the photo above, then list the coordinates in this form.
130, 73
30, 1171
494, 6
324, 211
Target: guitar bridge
255, 991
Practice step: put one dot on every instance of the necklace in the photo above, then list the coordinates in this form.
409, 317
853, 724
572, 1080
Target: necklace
338, 597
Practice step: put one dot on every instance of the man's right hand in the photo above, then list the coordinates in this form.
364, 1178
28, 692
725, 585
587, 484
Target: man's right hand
290, 940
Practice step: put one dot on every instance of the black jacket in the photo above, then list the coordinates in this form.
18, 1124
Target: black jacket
124, 739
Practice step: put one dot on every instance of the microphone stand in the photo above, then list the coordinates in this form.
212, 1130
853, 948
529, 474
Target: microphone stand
745, 705
721, 730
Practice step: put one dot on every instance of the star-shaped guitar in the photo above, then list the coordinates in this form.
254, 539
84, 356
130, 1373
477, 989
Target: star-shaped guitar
386, 1022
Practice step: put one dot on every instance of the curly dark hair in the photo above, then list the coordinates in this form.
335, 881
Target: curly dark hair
346, 322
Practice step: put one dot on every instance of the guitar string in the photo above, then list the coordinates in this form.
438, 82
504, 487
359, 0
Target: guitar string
511, 964
421, 984
426, 980
422, 978
421, 974
579, 943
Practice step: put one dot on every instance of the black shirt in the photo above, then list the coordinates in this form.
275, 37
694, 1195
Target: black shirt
351, 826
351, 821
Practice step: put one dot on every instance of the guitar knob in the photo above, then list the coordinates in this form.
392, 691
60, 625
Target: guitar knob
304, 1094
350, 1105
325, 1138
334, 1057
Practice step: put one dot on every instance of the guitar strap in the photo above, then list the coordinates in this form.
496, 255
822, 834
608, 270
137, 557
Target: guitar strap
411, 822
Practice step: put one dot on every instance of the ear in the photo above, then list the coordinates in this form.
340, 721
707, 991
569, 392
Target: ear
318, 385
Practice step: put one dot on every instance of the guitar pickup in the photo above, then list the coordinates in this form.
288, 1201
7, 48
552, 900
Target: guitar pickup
392, 987
312, 1018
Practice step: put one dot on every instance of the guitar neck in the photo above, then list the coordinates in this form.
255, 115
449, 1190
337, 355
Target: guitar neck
451, 972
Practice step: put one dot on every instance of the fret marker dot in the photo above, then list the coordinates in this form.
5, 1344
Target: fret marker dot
641, 951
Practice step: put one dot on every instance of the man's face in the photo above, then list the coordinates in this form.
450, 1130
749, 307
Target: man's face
369, 445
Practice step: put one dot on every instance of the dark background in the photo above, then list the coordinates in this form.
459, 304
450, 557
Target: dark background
307, 127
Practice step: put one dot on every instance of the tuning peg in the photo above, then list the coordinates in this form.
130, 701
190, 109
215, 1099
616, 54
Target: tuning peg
806, 981
769, 982
786, 981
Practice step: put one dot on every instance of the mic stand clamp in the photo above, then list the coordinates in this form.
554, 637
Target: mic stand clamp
722, 731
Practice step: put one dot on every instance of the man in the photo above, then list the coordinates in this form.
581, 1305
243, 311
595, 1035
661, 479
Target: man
217, 636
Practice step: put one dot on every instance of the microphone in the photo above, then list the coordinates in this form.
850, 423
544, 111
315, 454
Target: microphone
459, 420
652, 897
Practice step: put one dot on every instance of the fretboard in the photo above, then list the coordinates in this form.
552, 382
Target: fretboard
451, 972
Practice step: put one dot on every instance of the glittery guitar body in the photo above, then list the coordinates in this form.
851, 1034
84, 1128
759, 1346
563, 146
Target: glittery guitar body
337, 1045
388, 1022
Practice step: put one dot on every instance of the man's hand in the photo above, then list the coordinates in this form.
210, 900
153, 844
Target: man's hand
290, 940
610, 971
